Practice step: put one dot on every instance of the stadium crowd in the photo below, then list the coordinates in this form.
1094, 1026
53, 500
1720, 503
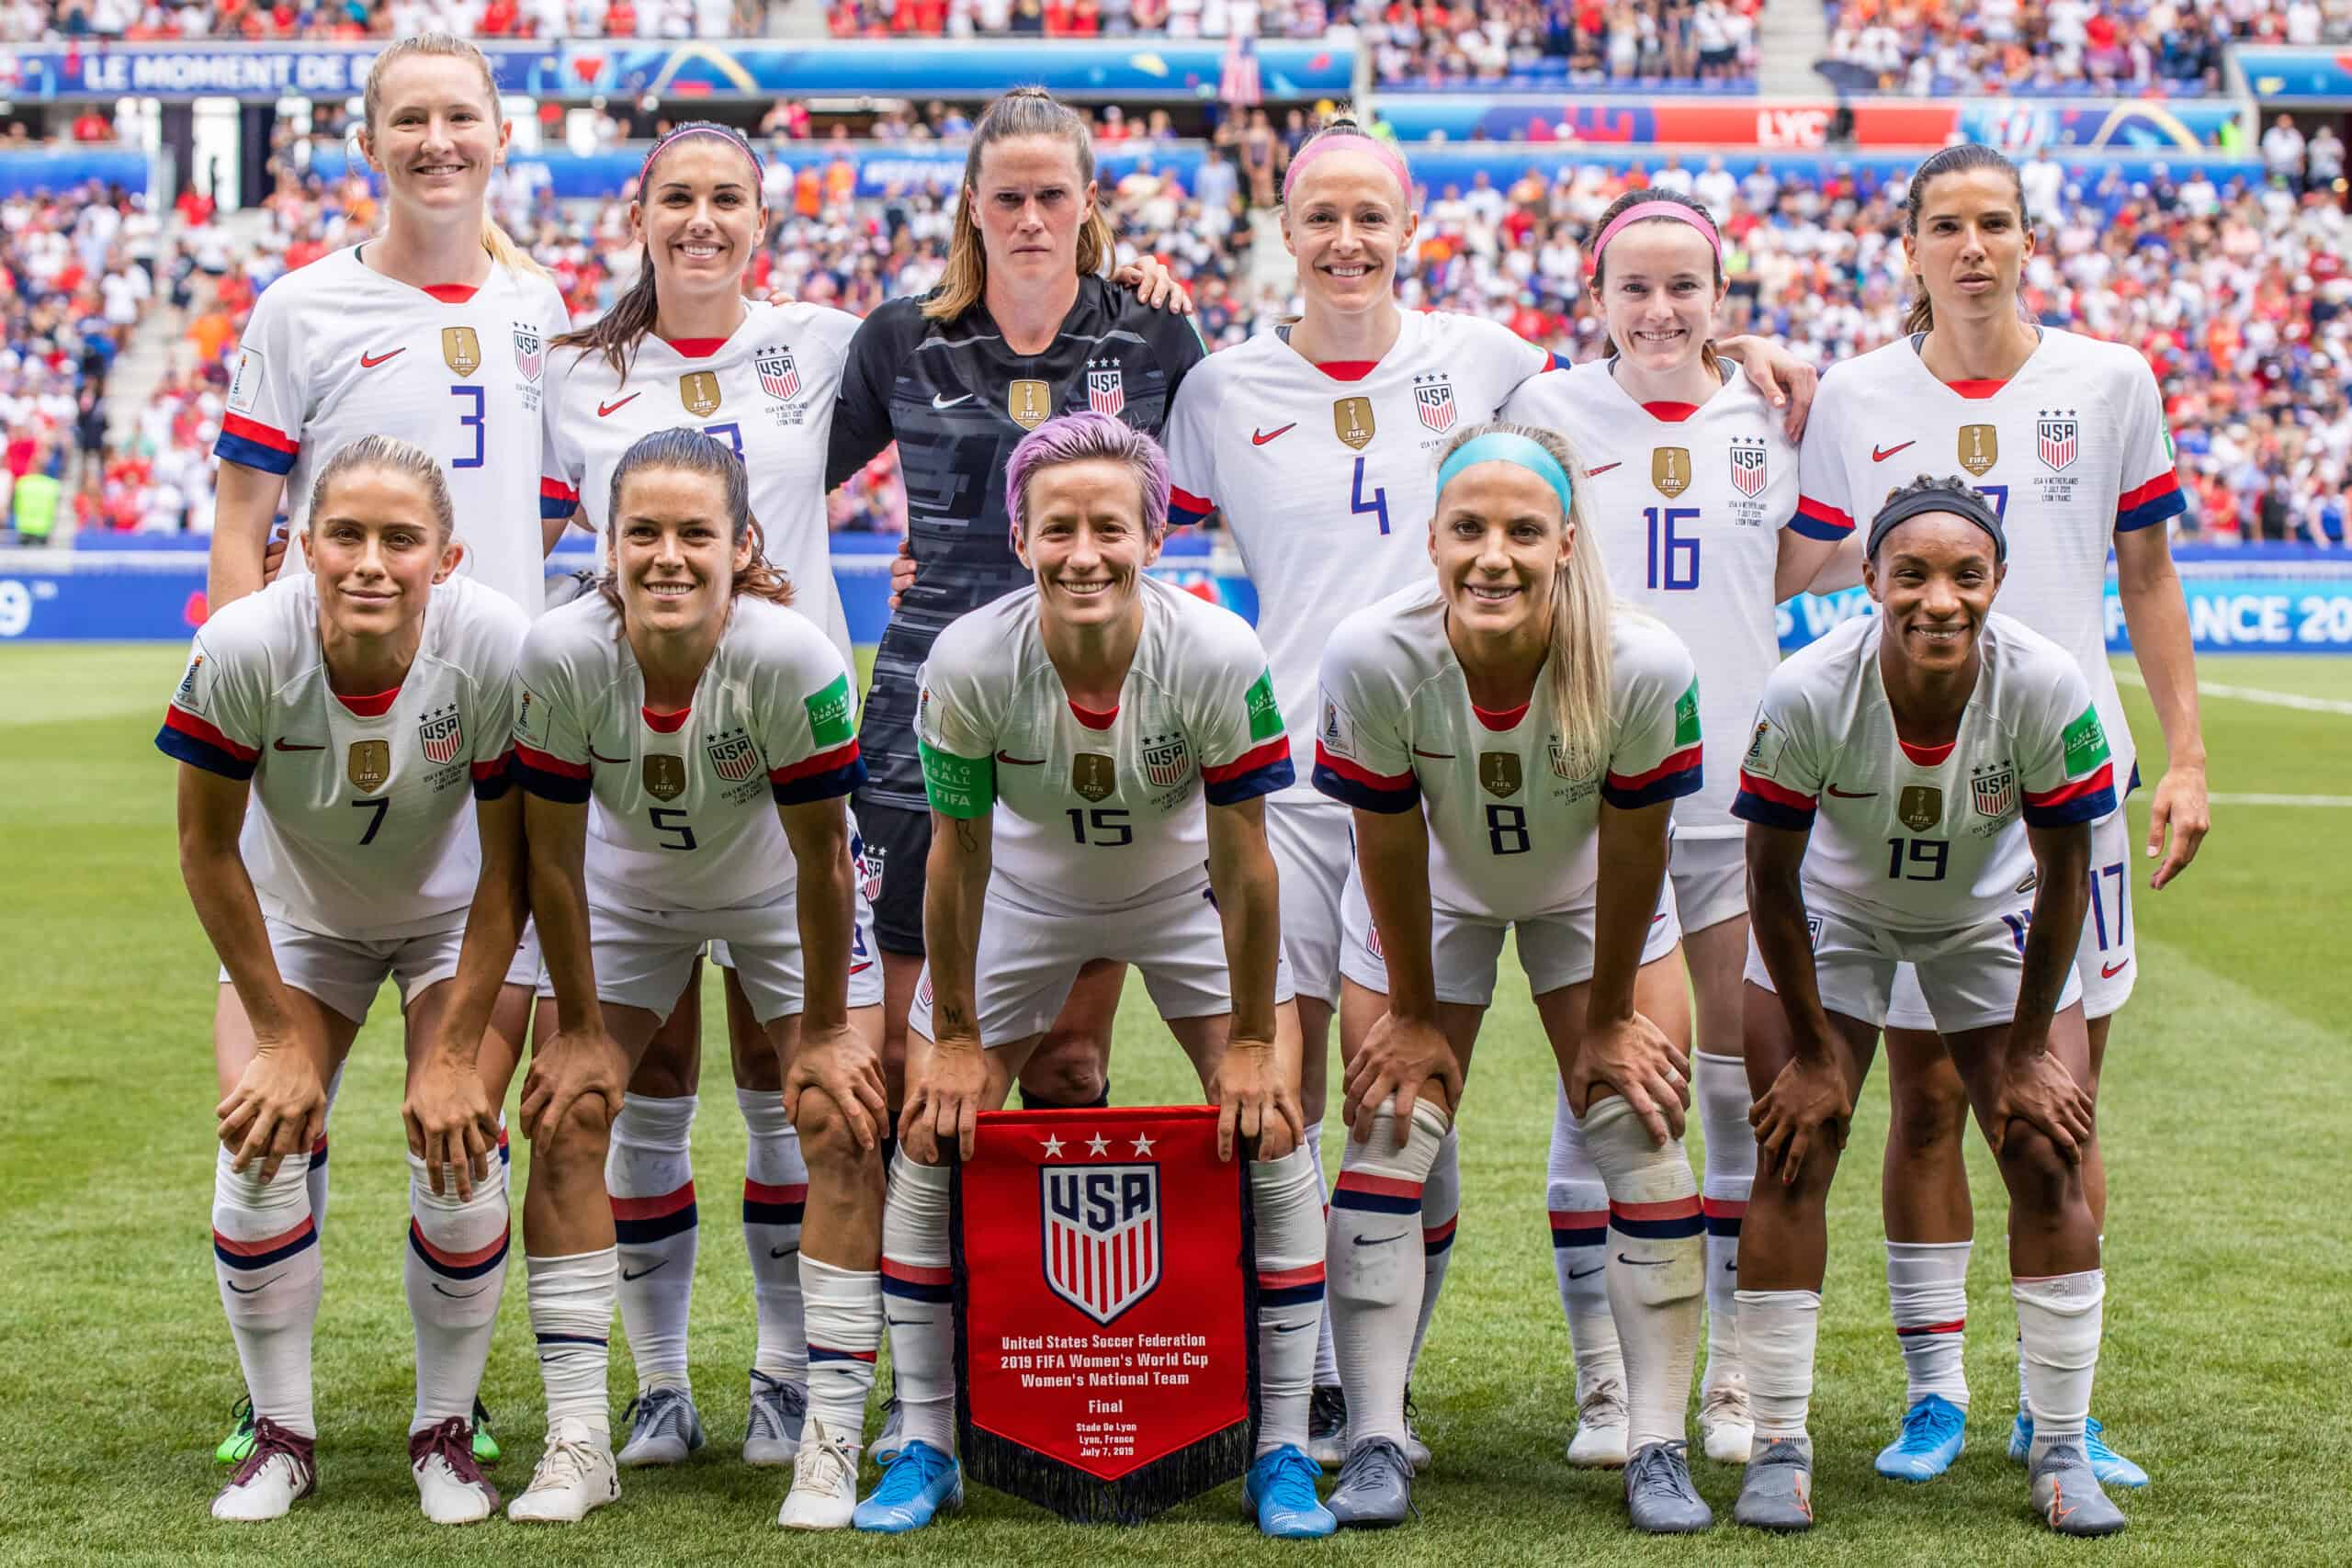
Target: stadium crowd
30, 22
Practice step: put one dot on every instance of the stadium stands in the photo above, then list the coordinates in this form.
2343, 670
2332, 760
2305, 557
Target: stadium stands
28, 22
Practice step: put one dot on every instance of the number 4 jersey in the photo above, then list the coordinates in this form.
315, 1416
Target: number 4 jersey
362, 824
335, 351
1513, 813
1923, 838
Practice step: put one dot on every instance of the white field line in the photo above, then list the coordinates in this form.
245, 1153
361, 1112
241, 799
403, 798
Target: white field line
2327, 800
2252, 694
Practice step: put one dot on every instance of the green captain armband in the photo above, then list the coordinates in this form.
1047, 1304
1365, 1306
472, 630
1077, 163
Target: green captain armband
958, 786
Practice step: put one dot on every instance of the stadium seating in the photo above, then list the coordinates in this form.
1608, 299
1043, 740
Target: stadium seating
325, 20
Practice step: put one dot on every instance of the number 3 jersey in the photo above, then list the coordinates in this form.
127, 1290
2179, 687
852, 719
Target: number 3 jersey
1100, 810
1923, 838
686, 801
335, 351
1512, 812
362, 824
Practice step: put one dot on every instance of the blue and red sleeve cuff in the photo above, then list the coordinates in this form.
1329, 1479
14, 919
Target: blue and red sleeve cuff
1677, 776
2078, 800
1768, 804
1388, 793
495, 778
1185, 508
557, 500
1819, 520
551, 777
1260, 770
825, 776
250, 444
2152, 503
197, 743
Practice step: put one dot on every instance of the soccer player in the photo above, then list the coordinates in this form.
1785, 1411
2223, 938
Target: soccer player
433, 332
2071, 431
1920, 787
1512, 745
1316, 445
1096, 748
713, 730
682, 345
326, 729
1692, 493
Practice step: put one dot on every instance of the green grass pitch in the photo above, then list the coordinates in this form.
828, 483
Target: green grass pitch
2226, 1368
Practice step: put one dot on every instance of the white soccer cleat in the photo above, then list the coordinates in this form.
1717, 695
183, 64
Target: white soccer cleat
575, 1476
1599, 1439
824, 1482
450, 1486
281, 1470
1727, 1426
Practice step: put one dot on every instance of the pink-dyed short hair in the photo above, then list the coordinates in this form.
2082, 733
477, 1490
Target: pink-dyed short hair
1081, 438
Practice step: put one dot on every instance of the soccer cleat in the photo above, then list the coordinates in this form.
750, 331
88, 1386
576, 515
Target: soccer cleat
1375, 1487
1727, 1426
1658, 1494
575, 1475
1326, 1425
450, 1485
2111, 1468
824, 1482
278, 1470
663, 1427
1416, 1450
1598, 1443
1933, 1432
486, 1450
2067, 1497
1776, 1492
914, 1488
239, 1443
886, 1446
778, 1410
1279, 1493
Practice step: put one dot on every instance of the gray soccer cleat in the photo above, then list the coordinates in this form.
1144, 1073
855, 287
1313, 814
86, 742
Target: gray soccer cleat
1776, 1492
1658, 1494
664, 1428
886, 1445
1375, 1487
1326, 1425
779, 1409
2067, 1494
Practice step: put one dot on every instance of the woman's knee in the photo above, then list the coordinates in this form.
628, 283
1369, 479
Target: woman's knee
1927, 1117
1066, 1069
828, 1137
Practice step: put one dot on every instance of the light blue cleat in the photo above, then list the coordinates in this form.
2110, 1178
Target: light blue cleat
2111, 1468
1279, 1493
917, 1483
1934, 1430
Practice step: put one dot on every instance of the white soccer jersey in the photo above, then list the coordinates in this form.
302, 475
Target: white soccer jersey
1326, 475
1923, 838
2071, 450
362, 825
684, 815
1100, 810
767, 391
1512, 816
1689, 501
335, 352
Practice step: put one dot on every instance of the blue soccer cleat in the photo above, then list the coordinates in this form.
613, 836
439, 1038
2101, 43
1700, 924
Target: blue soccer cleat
1279, 1493
2111, 1468
915, 1486
1934, 1430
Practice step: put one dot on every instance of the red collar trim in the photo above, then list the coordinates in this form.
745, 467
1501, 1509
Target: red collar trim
1975, 391
1927, 756
374, 707
1501, 718
1091, 719
452, 293
1348, 370
665, 723
696, 347
1673, 413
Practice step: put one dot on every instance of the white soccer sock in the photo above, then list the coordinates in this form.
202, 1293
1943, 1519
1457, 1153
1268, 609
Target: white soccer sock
455, 1272
919, 1301
1720, 1086
1927, 1288
266, 1257
2059, 1317
1440, 1207
845, 1308
1776, 1329
1326, 1360
649, 1172
317, 1177
2024, 1408
1656, 1269
776, 1195
1374, 1250
1580, 1208
571, 1299
1286, 1199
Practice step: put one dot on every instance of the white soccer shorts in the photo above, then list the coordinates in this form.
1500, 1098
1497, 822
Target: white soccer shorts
1710, 877
1314, 845
644, 957
1969, 977
1556, 950
344, 975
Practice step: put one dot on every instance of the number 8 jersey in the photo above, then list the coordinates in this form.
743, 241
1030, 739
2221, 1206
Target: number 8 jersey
335, 351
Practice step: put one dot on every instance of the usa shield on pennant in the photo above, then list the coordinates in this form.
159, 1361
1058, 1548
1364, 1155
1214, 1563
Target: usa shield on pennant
1670, 469
2061, 441
1434, 403
529, 350
732, 756
664, 775
779, 378
1980, 447
1106, 392
1746, 466
1351, 421
462, 349
1102, 1246
442, 733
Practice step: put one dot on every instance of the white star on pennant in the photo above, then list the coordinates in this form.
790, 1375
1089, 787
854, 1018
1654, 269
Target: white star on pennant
1053, 1147
1143, 1145
1098, 1144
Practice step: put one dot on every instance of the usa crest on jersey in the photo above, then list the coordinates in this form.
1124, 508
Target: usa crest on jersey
1106, 390
1166, 761
779, 378
1996, 793
1101, 1243
529, 350
732, 756
1747, 465
2060, 439
442, 733
1433, 401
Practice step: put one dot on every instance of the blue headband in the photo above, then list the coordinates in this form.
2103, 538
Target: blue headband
1502, 446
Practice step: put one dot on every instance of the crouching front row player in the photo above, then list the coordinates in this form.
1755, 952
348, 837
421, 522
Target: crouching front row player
1920, 786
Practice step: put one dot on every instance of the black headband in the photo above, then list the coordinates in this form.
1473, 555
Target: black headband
1958, 500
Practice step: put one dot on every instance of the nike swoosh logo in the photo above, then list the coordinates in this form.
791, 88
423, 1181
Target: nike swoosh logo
644, 1272
1260, 437
861, 968
369, 363
1586, 1273
1020, 761
249, 1290
904, 1322
1853, 794
458, 1295
1596, 473
284, 745
782, 1251
1434, 756
2110, 971
1880, 455
1294, 1327
607, 411
602, 758
939, 403
1645, 1262
1376, 1240
1732, 1267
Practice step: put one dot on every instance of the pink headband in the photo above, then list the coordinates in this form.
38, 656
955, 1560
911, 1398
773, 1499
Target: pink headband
702, 127
1349, 142
1643, 210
